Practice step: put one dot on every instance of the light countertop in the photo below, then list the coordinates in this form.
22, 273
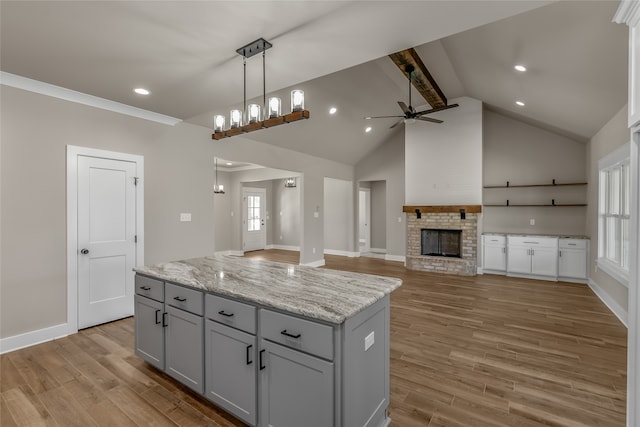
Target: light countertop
317, 293
560, 236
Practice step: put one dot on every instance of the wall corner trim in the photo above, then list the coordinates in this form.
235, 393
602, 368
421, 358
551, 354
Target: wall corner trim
42, 88
615, 308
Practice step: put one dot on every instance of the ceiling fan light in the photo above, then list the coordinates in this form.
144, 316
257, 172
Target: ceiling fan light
297, 100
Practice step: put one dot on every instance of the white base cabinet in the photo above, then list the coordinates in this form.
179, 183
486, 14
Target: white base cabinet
573, 259
494, 253
534, 256
538, 257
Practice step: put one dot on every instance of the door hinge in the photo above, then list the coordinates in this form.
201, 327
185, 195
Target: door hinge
135, 239
135, 180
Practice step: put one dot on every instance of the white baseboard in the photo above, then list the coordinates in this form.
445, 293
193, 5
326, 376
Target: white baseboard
284, 247
28, 339
378, 250
401, 258
479, 270
318, 263
615, 308
342, 253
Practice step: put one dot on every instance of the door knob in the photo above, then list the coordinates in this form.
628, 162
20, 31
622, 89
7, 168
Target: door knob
84, 251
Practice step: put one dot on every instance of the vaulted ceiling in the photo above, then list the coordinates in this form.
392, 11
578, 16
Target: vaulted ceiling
184, 53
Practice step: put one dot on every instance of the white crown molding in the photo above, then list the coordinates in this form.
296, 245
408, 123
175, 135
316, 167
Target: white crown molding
628, 13
24, 83
223, 168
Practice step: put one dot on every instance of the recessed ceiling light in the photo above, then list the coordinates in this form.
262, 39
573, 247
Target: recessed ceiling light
333, 110
520, 103
520, 68
229, 164
368, 129
141, 91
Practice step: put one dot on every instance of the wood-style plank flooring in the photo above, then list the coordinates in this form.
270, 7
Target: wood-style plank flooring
481, 351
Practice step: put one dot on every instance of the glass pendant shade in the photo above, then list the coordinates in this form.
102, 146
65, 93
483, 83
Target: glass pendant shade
253, 113
297, 100
218, 189
290, 182
235, 117
218, 123
274, 108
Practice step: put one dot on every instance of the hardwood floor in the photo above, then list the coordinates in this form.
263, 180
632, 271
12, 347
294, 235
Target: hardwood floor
482, 351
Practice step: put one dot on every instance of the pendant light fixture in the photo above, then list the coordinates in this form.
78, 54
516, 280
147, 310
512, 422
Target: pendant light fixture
217, 188
255, 116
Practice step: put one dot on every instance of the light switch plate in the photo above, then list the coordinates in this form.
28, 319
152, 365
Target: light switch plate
185, 217
369, 340
316, 214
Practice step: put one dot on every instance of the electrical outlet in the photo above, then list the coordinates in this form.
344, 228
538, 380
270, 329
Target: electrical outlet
185, 217
280, 237
399, 219
532, 221
313, 250
316, 214
369, 340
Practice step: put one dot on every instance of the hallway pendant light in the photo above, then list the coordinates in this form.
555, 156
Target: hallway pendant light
217, 188
253, 117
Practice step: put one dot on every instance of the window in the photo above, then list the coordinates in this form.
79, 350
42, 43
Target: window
613, 214
253, 217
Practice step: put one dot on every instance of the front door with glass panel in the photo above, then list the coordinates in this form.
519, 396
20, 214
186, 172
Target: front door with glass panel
253, 223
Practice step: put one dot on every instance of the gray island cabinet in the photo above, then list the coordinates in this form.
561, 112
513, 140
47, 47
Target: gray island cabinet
273, 344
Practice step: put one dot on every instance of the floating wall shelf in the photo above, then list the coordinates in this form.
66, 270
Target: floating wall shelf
552, 205
287, 118
535, 185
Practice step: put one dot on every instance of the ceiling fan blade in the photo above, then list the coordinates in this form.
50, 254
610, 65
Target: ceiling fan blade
429, 119
396, 123
435, 110
380, 117
404, 107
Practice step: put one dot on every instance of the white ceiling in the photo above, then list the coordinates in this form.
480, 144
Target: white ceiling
184, 52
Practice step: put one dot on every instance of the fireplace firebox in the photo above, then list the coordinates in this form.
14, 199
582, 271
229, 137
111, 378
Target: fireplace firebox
439, 242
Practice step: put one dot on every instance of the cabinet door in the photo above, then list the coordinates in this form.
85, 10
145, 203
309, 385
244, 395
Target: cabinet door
544, 261
495, 257
295, 389
230, 366
149, 331
184, 348
519, 260
572, 263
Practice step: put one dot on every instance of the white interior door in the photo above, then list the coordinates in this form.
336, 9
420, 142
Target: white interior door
106, 239
254, 225
364, 222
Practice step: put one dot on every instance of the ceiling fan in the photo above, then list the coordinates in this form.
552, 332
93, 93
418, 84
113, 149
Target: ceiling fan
410, 114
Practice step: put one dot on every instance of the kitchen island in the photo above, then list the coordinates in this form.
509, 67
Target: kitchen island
274, 344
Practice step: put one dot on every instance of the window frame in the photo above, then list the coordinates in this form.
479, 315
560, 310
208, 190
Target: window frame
614, 208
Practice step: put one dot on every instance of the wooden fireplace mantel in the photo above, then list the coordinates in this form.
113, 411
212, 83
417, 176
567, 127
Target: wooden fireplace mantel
443, 209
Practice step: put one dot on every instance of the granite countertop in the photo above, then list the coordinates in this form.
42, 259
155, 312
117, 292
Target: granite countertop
318, 293
561, 236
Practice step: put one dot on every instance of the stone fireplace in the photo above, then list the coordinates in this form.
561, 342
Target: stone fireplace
444, 239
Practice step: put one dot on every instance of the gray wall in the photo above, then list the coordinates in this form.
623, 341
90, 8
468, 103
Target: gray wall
179, 177
35, 130
386, 163
379, 215
286, 214
523, 154
611, 136
338, 215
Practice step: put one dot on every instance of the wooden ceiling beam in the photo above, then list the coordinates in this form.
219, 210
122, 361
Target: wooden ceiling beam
422, 79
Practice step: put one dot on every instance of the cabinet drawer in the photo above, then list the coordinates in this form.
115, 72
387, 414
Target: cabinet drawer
573, 243
547, 242
490, 239
190, 300
233, 313
150, 288
300, 334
